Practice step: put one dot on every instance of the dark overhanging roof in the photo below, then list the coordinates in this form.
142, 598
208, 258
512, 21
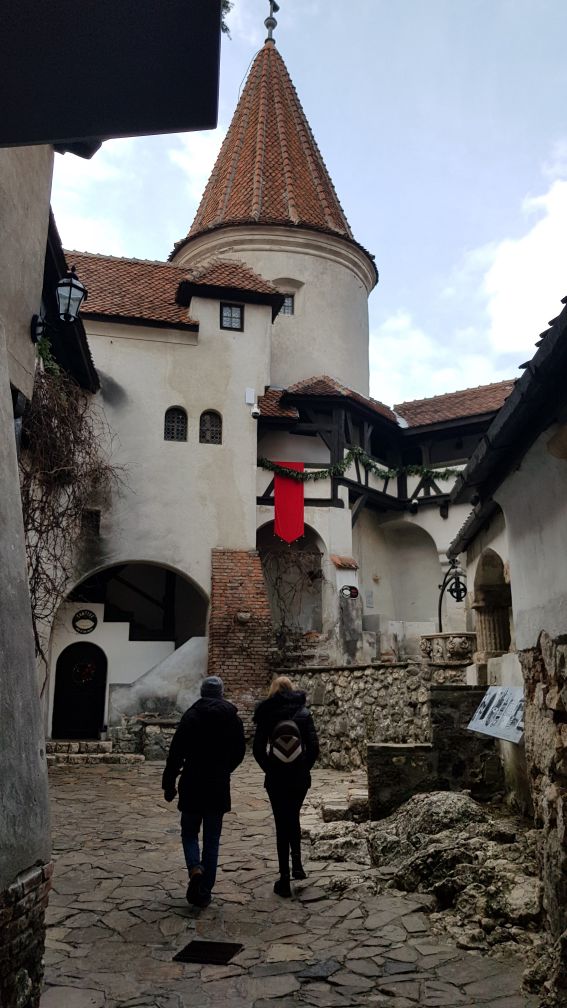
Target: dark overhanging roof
68, 340
529, 410
73, 75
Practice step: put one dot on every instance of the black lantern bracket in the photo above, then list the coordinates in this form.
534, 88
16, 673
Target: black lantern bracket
455, 584
70, 294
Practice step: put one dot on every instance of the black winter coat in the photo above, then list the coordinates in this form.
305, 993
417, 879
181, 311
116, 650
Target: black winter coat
285, 705
207, 746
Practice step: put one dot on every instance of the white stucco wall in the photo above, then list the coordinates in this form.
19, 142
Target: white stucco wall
533, 501
25, 190
331, 278
180, 499
127, 660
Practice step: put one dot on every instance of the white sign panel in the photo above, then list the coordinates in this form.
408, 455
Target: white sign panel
501, 713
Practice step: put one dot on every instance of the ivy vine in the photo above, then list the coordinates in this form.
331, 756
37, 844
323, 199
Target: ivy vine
340, 468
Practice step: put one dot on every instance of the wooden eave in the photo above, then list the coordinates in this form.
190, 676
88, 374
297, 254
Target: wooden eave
137, 321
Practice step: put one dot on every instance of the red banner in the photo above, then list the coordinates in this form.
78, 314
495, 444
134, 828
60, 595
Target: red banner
288, 494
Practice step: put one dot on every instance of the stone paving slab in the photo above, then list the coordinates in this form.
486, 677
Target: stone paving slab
118, 915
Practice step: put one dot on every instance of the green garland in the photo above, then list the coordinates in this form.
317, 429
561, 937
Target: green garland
339, 469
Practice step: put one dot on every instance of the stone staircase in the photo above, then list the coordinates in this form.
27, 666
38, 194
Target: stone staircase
92, 753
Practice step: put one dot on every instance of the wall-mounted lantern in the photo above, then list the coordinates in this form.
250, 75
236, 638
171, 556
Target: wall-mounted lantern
455, 583
70, 294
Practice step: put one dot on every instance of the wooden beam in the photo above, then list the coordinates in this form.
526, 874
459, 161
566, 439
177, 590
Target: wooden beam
358, 508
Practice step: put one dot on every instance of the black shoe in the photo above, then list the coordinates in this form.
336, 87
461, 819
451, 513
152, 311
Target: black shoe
298, 871
194, 887
203, 898
282, 887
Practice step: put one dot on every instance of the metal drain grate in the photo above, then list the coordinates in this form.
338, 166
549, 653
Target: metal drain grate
208, 952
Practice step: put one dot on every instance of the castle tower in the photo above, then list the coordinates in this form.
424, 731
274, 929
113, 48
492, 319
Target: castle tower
270, 202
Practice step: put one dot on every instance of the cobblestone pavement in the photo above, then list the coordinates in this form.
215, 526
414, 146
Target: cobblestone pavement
117, 914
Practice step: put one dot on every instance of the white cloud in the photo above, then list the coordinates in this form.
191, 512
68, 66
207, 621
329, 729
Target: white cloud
556, 165
407, 363
528, 276
195, 154
505, 292
79, 191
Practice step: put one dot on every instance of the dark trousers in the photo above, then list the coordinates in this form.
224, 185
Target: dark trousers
212, 827
286, 805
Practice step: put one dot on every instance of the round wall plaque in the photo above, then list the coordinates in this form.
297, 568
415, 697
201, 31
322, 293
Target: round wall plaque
84, 621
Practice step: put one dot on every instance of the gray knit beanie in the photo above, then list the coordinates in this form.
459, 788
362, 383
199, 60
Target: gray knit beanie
212, 686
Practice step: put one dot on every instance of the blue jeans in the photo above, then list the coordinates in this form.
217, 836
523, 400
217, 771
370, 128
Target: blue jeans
212, 827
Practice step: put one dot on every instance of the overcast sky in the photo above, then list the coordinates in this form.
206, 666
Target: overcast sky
443, 124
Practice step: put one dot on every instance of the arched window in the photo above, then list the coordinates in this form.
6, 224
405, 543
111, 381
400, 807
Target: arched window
210, 427
175, 424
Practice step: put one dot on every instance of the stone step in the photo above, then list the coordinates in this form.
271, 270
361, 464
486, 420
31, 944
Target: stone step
92, 759
90, 746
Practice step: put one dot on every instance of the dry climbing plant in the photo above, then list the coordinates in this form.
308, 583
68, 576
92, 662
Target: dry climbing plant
63, 471
290, 574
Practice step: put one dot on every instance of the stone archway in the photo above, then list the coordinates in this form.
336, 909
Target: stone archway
294, 579
149, 621
492, 605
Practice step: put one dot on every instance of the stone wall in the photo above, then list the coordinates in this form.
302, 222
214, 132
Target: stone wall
240, 627
145, 735
466, 760
545, 674
355, 704
22, 935
454, 760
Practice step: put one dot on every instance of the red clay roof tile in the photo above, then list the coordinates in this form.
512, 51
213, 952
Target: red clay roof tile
229, 273
270, 406
323, 385
269, 169
136, 289
454, 405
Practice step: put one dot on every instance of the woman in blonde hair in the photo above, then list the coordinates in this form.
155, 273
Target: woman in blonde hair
286, 747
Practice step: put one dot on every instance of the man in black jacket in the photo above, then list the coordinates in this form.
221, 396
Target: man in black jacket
207, 746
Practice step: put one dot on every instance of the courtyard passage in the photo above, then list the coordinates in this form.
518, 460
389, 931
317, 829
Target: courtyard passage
118, 915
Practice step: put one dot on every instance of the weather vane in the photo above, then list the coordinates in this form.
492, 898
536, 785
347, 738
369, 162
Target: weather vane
270, 21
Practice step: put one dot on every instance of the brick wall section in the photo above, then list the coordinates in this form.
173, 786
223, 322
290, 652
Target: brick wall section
22, 937
240, 627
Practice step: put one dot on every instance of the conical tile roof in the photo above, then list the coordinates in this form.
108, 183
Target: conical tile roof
269, 169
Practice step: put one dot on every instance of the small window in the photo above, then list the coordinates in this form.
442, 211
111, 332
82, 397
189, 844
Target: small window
232, 316
288, 307
210, 428
175, 424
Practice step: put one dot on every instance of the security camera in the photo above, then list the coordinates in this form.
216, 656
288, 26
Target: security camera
255, 412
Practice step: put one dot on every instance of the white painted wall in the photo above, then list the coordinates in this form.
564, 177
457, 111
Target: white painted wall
180, 499
127, 660
175, 680
533, 501
25, 189
332, 278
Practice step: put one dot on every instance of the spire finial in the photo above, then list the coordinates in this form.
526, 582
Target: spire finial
270, 21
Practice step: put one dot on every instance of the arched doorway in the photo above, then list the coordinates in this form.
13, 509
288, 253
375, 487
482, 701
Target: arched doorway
294, 579
80, 691
492, 605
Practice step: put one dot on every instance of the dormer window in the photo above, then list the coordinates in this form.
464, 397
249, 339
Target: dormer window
232, 316
288, 307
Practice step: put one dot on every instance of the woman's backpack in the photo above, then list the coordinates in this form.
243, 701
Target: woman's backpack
285, 746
